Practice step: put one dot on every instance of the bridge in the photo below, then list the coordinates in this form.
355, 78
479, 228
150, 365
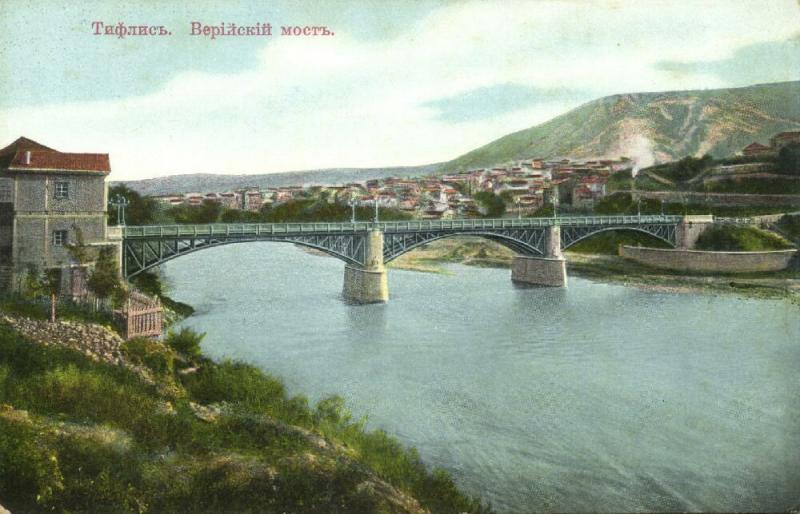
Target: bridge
365, 247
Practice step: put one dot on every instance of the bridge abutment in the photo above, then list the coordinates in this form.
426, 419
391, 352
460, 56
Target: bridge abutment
549, 271
690, 228
368, 284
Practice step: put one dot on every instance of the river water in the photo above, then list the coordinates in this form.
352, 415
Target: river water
595, 397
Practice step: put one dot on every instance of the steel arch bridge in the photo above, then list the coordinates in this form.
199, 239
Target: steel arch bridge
145, 247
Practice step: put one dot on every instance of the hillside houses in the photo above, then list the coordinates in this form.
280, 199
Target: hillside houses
525, 185
776, 144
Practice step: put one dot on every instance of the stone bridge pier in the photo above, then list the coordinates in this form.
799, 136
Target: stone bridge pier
549, 270
368, 284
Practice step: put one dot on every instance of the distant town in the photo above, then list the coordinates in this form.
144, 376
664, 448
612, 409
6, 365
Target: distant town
526, 186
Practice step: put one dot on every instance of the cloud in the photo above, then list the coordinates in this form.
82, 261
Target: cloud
491, 101
452, 80
770, 61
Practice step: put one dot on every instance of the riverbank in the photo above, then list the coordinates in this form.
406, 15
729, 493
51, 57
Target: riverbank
91, 422
609, 268
785, 284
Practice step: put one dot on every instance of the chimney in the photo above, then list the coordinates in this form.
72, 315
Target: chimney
27, 159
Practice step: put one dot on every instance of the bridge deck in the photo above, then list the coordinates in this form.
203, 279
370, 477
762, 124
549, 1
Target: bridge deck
268, 229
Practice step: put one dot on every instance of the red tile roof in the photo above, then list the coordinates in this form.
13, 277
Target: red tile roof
26, 154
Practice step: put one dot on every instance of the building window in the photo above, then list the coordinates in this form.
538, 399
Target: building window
6, 195
62, 190
59, 237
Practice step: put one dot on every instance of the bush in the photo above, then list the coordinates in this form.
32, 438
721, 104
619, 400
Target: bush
491, 203
683, 169
237, 383
28, 469
150, 353
789, 159
790, 225
186, 342
728, 238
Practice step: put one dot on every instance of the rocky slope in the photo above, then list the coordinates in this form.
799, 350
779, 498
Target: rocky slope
652, 127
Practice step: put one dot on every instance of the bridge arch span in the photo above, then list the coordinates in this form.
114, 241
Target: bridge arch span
531, 243
151, 256
571, 236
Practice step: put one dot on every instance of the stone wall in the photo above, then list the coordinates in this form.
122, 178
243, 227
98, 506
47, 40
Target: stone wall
728, 199
712, 262
33, 237
36, 193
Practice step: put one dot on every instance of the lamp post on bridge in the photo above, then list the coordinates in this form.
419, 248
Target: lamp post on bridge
352, 209
120, 202
376, 210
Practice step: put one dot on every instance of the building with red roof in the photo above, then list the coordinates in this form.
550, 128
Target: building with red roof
48, 200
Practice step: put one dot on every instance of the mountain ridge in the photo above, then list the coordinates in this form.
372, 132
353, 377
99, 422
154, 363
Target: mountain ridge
651, 127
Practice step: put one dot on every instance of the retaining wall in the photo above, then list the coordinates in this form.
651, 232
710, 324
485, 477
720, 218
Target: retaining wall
715, 262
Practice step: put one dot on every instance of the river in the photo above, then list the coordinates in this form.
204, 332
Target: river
595, 397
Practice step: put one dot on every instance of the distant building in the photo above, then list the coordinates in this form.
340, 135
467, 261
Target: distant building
48, 198
756, 149
778, 141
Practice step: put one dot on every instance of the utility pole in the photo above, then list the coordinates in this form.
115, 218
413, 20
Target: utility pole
376, 209
352, 209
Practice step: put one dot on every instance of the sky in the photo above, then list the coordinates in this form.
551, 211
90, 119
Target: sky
398, 83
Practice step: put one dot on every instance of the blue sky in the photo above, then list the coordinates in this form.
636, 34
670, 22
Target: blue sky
400, 83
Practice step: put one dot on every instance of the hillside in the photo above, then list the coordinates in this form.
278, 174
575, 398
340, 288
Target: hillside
204, 182
652, 127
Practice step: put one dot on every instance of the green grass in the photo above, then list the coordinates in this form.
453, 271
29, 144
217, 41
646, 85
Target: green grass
739, 239
97, 438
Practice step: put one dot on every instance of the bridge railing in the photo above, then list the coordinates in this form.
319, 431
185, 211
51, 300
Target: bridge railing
277, 229
735, 221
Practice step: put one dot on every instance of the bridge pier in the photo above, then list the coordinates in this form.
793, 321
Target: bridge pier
550, 270
368, 284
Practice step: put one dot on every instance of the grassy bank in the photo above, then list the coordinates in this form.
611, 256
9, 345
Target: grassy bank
78, 435
729, 238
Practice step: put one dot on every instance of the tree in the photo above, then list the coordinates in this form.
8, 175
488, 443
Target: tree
53, 285
141, 210
78, 250
43, 285
104, 280
789, 159
491, 204
185, 342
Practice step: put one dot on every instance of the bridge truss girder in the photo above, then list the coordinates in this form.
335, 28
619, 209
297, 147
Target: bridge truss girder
571, 235
524, 241
139, 255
